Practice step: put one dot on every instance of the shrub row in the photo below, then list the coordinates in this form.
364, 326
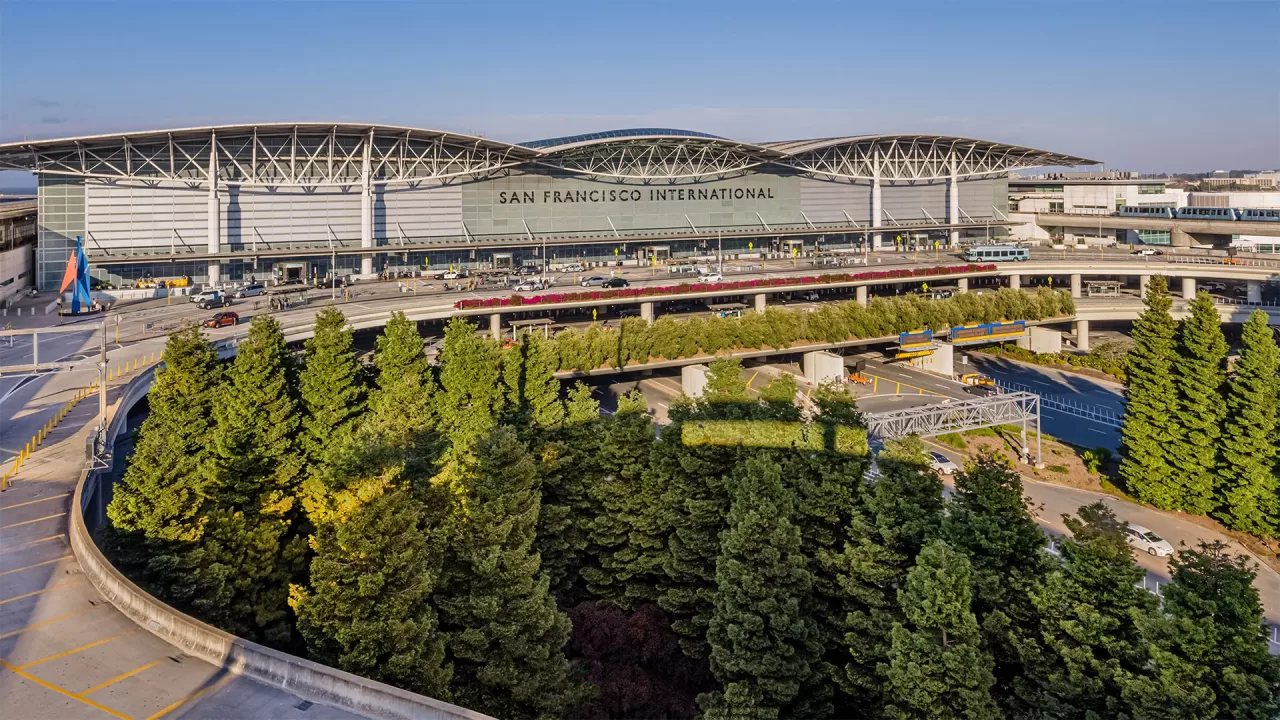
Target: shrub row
1099, 359
776, 434
636, 341
736, 285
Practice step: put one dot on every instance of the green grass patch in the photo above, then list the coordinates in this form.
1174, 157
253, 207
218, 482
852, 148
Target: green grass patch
1059, 469
954, 440
982, 432
777, 434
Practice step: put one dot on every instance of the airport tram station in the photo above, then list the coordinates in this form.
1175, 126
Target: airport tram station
309, 202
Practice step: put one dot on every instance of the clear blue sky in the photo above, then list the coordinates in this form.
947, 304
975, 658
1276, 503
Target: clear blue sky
1164, 86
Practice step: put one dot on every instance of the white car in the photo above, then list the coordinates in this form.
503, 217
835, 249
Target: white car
1148, 251
1144, 539
204, 296
529, 286
453, 275
573, 267
943, 464
711, 277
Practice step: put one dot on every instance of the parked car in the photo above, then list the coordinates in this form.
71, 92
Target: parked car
529, 270
808, 296
981, 390
530, 286
203, 295
222, 319
250, 290
713, 277
943, 464
594, 281
1144, 539
453, 275
616, 283
213, 300
629, 311
1148, 251
573, 267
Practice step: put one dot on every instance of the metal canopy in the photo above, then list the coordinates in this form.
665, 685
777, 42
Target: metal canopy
319, 154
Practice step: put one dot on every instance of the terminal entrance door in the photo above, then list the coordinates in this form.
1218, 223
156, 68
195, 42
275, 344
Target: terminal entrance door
290, 272
502, 260
658, 252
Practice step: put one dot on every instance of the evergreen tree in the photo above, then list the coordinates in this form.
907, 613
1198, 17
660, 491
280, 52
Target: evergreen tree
331, 389
724, 382
1247, 498
368, 609
532, 391
1151, 394
903, 512
162, 494
937, 669
569, 465
1200, 370
989, 522
1090, 613
765, 648
401, 405
1209, 653
471, 396
238, 578
779, 397
505, 636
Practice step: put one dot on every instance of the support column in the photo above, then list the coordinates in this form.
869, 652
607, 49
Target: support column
1082, 335
877, 213
495, 325
646, 312
862, 295
1143, 282
1253, 291
366, 207
953, 203
214, 239
1188, 288
1075, 285
761, 302
1015, 282
963, 284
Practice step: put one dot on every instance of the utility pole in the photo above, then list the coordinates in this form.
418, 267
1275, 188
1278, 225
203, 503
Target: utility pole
102, 379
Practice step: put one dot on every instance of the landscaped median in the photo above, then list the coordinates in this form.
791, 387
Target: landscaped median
719, 287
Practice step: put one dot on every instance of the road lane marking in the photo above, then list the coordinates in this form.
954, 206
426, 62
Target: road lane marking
24, 546
62, 691
46, 562
28, 522
51, 588
73, 651
214, 687
33, 502
42, 623
117, 679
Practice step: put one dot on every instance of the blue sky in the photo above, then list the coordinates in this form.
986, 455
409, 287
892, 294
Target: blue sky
1163, 86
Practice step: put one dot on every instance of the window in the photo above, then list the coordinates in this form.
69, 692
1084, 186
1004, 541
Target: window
1150, 189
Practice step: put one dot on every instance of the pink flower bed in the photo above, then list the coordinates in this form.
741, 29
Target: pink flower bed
659, 291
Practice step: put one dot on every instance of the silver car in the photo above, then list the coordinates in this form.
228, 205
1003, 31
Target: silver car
251, 290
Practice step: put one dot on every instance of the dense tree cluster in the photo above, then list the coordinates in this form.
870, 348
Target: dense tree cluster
470, 532
1197, 438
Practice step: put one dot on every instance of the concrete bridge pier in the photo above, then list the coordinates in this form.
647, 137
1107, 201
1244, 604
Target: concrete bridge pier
963, 284
821, 366
1015, 282
1143, 282
1075, 285
862, 295
1253, 291
762, 301
1188, 288
495, 325
646, 312
1082, 335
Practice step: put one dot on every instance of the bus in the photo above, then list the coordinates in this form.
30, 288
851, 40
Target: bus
997, 253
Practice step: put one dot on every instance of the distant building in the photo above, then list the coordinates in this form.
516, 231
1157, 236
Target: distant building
1089, 194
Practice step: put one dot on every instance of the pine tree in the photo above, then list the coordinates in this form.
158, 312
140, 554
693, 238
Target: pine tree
779, 397
937, 669
1151, 395
765, 648
401, 405
988, 521
367, 609
471, 397
1090, 613
532, 391
1247, 499
1200, 370
569, 465
1209, 653
903, 513
505, 636
239, 576
331, 390
163, 491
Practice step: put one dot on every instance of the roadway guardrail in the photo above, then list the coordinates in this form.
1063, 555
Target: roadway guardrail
1095, 413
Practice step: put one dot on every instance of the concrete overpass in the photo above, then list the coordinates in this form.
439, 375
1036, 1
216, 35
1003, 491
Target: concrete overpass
1183, 232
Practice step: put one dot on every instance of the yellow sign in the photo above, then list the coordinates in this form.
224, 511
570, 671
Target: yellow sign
615, 252
751, 246
593, 314
924, 287
793, 251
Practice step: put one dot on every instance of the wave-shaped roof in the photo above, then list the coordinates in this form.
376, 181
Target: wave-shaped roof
273, 154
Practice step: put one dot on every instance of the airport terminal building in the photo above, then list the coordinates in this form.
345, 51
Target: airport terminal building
303, 201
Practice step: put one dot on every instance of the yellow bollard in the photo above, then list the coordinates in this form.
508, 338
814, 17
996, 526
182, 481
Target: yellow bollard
153, 358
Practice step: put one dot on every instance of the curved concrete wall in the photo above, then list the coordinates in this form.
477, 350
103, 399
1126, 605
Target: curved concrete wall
302, 677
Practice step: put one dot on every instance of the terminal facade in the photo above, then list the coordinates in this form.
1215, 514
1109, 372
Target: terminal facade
315, 201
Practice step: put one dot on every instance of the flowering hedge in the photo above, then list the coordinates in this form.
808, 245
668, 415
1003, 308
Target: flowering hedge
682, 288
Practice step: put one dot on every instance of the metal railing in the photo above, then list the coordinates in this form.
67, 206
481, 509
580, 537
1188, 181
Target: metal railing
1095, 413
1244, 303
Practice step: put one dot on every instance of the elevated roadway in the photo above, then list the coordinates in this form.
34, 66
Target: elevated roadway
1184, 232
